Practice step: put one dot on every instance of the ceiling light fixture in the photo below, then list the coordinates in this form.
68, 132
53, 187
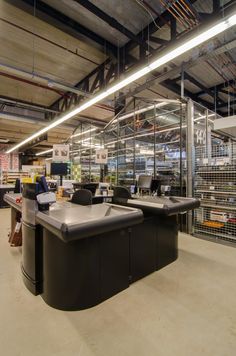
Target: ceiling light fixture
84, 132
213, 31
143, 135
140, 111
44, 152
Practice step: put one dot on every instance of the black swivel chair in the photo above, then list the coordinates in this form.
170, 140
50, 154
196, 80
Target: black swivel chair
92, 187
17, 188
121, 192
82, 197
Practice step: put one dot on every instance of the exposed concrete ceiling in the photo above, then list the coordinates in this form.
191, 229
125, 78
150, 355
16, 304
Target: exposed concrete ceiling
34, 46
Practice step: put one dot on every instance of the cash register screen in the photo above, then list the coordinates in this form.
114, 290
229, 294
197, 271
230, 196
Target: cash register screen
144, 182
58, 169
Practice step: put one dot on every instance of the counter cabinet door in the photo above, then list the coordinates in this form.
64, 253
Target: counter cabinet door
167, 240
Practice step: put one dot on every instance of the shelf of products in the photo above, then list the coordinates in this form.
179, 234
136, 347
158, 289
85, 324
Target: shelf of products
9, 177
215, 185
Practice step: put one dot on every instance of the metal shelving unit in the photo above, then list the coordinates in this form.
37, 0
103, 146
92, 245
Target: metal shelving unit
148, 139
215, 185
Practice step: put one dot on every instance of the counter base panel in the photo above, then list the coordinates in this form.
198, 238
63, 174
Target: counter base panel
32, 258
167, 240
81, 274
143, 249
3, 191
34, 286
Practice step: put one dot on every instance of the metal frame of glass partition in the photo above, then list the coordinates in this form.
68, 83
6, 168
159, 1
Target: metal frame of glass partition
161, 138
148, 139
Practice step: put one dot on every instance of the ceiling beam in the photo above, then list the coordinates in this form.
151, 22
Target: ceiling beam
64, 23
144, 35
170, 85
26, 105
220, 86
225, 105
153, 27
151, 79
199, 85
157, 40
229, 93
113, 23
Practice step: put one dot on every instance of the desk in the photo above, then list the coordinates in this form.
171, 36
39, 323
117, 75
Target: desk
5, 188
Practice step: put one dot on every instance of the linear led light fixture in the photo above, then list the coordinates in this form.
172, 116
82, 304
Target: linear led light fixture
204, 117
85, 140
44, 152
139, 111
197, 40
84, 132
145, 134
51, 149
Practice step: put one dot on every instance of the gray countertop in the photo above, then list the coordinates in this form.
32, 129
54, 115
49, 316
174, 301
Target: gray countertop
73, 222
160, 205
10, 198
7, 186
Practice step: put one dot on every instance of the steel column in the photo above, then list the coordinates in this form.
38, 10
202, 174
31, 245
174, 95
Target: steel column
190, 159
208, 139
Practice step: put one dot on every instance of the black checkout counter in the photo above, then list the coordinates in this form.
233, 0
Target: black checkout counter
154, 243
78, 256
5, 188
75, 256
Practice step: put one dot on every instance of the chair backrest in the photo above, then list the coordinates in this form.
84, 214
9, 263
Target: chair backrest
121, 192
17, 188
82, 197
92, 187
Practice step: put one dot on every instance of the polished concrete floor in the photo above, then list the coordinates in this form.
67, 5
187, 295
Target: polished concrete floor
186, 309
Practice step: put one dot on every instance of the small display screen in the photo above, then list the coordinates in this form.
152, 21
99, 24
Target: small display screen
144, 182
58, 169
132, 189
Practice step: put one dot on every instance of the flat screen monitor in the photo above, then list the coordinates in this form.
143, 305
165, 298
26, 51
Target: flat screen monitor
58, 169
144, 182
104, 185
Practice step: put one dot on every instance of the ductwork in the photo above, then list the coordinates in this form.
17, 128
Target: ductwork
48, 82
30, 120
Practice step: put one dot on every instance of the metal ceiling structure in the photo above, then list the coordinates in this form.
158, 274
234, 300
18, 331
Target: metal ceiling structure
56, 53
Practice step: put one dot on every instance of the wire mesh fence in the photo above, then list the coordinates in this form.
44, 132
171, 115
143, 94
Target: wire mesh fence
215, 185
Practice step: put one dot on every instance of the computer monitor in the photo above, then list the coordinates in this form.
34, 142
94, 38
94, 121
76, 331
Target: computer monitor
156, 186
103, 186
58, 169
43, 187
144, 182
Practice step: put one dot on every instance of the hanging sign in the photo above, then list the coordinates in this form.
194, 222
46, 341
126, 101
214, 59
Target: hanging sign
101, 156
61, 153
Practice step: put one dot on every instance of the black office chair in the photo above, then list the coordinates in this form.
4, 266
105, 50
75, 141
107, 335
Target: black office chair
17, 188
121, 192
82, 197
92, 187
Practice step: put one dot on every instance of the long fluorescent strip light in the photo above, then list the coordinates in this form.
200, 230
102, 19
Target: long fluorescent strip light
145, 134
84, 132
44, 152
188, 45
140, 111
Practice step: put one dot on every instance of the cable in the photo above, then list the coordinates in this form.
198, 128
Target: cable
149, 12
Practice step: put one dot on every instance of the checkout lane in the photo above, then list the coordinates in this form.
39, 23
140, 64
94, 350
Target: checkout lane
154, 243
77, 256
